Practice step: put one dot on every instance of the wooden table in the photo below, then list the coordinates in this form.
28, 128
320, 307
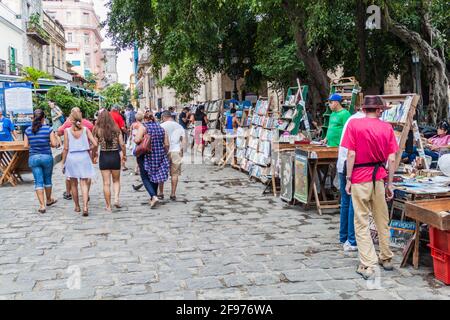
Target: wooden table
319, 159
414, 194
429, 212
13, 161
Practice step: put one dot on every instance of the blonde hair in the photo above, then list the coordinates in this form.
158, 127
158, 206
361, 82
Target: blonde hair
76, 118
139, 116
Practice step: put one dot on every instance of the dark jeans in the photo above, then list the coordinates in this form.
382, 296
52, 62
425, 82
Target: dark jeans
151, 187
347, 228
412, 156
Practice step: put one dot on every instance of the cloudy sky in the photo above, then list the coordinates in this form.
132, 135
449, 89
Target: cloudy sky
124, 65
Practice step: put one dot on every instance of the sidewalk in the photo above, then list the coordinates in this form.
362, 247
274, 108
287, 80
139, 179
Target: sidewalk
221, 240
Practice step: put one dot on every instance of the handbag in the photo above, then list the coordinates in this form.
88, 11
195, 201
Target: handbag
144, 147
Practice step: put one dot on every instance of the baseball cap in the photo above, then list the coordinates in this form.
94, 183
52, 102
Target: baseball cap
335, 97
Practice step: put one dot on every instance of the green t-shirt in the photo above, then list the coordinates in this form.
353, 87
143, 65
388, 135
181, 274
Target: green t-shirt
335, 127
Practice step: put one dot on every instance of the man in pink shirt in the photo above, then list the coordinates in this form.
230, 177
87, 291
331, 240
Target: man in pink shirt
371, 143
67, 124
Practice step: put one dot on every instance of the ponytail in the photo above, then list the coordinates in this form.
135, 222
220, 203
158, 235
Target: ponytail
76, 119
38, 115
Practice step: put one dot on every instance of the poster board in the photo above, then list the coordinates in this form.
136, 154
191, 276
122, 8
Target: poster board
287, 176
301, 178
18, 101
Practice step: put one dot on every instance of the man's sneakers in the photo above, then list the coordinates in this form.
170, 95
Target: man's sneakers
368, 273
349, 248
386, 264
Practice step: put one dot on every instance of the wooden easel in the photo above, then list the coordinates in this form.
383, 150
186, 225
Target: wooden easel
406, 126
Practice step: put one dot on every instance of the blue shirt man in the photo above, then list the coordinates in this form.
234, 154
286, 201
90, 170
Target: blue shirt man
7, 129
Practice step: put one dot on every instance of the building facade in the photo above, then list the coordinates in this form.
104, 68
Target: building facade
23, 37
55, 53
12, 40
82, 33
111, 75
217, 87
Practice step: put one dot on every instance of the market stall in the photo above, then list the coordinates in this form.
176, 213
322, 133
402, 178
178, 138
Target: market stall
312, 170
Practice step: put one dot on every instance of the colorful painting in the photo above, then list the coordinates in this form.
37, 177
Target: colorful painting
301, 178
287, 176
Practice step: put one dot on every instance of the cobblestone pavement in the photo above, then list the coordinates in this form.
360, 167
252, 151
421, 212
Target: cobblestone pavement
222, 239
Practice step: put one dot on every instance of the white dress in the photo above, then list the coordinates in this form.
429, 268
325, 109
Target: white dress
78, 162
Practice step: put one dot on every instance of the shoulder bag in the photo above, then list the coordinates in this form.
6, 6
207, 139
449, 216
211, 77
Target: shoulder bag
144, 147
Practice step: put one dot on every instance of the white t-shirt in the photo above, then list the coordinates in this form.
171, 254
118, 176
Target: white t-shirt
342, 156
175, 132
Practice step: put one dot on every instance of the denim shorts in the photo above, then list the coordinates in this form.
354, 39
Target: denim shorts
42, 167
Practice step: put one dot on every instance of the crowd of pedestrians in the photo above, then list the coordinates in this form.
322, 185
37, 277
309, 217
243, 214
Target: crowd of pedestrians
105, 144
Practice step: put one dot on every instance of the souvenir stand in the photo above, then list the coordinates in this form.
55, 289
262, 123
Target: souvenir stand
421, 194
292, 113
213, 111
257, 160
13, 161
242, 136
312, 163
230, 138
350, 90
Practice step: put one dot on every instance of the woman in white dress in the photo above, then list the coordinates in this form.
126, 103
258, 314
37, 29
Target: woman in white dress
76, 159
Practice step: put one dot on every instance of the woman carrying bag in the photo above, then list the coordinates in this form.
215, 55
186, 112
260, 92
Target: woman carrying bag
151, 153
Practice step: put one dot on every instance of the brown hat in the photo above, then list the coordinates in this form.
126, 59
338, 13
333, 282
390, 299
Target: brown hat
374, 102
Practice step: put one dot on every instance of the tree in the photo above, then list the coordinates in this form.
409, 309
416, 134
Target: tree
187, 35
287, 39
92, 81
416, 24
66, 101
114, 94
33, 75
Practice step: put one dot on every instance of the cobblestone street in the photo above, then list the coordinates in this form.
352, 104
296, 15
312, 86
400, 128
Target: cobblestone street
222, 239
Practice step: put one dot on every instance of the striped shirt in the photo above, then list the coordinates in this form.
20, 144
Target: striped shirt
39, 142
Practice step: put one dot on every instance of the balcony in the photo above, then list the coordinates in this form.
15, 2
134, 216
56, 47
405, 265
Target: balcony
37, 33
61, 74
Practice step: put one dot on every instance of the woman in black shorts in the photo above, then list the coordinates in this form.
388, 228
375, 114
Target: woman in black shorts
110, 141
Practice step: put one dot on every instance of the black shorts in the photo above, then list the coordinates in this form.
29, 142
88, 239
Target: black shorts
109, 160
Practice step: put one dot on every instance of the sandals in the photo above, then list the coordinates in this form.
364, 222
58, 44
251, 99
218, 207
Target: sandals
85, 213
160, 197
52, 202
117, 205
42, 211
173, 198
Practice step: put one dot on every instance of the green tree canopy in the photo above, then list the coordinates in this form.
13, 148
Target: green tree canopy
286, 39
115, 94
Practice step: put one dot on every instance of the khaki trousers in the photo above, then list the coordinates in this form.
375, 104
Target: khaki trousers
366, 199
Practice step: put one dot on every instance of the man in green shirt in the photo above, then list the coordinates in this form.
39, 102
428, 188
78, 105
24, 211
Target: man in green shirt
338, 118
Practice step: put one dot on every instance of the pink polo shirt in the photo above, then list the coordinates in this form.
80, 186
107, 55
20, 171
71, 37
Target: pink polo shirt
85, 123
440, 141
372, 140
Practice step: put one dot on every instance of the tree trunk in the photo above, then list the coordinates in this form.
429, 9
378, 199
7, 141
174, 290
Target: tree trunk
431, 59
361, 39
317, 76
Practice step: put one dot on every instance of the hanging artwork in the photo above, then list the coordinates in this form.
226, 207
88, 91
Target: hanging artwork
287, 175
301, 178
